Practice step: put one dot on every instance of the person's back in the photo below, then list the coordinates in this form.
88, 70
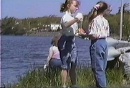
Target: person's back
53, 59
56, 53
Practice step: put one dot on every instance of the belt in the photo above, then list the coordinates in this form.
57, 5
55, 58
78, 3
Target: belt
101, 38
97, 39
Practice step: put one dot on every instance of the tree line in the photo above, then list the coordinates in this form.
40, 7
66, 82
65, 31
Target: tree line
15, 26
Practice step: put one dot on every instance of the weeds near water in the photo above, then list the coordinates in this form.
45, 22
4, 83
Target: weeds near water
41, 78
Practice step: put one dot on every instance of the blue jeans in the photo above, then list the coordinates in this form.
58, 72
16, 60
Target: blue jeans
98, 54
55, 63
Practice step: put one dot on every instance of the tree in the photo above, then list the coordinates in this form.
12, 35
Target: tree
126, 8
7, 25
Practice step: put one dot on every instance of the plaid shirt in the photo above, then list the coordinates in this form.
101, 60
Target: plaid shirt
99, 27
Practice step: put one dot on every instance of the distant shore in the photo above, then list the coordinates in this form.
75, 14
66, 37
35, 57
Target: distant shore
51, 34
44, 34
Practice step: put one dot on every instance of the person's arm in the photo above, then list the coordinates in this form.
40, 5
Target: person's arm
66, 23
81, 30
50, 55
69, 23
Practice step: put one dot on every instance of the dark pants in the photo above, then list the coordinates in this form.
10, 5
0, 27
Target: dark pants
55, 63
68, 54
98, 54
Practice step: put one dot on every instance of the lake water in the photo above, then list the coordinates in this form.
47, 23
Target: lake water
20, 54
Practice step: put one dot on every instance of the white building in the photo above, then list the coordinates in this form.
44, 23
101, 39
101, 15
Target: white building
54, 27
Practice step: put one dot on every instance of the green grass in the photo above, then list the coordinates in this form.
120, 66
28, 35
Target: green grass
45, 79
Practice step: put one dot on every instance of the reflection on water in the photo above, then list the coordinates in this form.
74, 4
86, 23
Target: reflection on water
21, 54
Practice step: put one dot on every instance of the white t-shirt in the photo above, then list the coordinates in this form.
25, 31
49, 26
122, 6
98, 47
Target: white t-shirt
53, 53
68, 17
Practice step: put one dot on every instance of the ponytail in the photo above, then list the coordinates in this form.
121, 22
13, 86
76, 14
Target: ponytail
99, 8
93, 14
64, 6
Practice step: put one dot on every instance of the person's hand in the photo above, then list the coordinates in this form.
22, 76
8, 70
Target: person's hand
45, 66
79, 16
81, 32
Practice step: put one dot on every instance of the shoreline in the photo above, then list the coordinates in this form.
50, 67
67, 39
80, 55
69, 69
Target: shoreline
51, 34
43, 34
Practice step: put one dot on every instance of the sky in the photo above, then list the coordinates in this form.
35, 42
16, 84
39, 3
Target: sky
39, 8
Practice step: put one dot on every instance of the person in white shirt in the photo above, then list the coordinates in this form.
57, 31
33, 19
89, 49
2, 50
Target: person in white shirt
53, 62
66, 44
53, 59
98, 31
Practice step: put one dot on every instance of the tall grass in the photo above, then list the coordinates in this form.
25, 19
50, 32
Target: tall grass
41, 78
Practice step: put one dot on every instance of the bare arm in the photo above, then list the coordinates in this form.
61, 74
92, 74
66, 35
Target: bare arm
68, 24
50, 55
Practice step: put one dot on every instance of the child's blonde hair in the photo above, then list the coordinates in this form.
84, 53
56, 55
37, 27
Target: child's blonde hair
67, 2
55, 40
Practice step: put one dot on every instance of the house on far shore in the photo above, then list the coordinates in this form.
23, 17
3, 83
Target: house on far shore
51, 27
55, 27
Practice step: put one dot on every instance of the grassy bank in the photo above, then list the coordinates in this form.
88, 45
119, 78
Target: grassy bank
40, 78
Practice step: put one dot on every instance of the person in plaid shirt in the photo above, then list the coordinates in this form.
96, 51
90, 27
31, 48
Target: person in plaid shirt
98, 31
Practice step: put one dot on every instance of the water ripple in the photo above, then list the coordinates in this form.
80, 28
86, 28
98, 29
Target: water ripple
21, 54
